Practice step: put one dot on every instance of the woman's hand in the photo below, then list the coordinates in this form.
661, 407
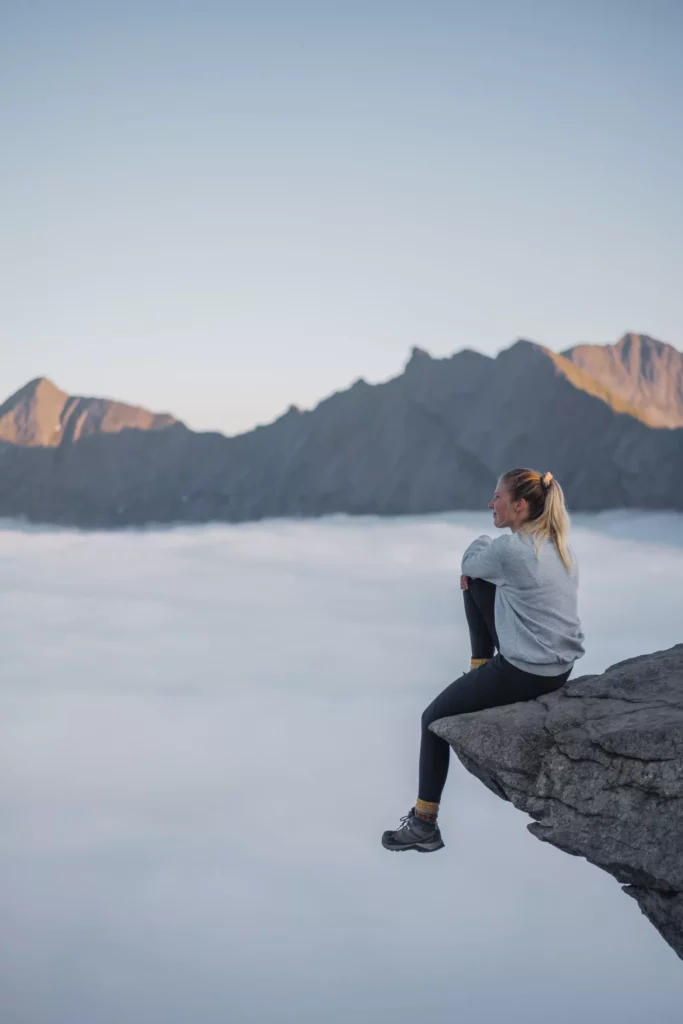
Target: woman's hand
464, 583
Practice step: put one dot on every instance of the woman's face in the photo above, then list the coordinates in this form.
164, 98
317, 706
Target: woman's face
507, 513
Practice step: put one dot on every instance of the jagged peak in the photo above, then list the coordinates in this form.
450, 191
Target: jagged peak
418, 357
37, 387
628, 340
523, 348
469, 353
41, 414
40, 389
645, 343
39, 383
635, 338
292, 412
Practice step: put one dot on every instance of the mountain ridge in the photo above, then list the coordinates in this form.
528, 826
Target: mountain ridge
432, 439
41, 414
640, 370
576, 363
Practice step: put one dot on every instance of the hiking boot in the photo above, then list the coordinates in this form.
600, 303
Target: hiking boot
414, 834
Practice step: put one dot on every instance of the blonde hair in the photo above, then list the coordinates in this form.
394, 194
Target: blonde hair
548, 516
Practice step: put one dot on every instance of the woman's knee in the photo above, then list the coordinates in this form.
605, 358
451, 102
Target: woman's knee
479, 589
429, 715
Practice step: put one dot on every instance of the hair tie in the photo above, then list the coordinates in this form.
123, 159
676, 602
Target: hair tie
546, 481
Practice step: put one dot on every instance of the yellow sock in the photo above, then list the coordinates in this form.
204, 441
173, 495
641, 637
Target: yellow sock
425, 809
478, 662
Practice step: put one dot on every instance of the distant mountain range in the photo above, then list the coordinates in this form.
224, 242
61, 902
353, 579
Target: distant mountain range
607, 420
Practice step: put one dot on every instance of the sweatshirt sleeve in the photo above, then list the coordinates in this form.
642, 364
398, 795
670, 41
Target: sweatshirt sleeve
484, 559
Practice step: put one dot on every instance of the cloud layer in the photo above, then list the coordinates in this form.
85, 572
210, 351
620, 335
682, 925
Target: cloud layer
203, 733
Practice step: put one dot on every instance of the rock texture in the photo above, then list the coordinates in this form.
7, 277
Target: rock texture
433, 439
599, 766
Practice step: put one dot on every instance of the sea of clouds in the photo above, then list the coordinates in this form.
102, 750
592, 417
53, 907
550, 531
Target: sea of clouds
203, 733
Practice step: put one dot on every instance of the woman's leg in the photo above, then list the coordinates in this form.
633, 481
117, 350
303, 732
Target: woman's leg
480, 599
494, 684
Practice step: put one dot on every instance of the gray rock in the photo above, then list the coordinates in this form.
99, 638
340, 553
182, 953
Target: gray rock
599, 766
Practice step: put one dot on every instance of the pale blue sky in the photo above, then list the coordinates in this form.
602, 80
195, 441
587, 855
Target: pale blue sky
220, 208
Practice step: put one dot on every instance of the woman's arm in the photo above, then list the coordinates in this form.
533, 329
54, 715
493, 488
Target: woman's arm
484, 559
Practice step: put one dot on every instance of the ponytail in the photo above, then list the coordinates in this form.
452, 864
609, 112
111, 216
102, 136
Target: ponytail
548, 516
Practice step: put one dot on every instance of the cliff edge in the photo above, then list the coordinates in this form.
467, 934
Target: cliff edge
599, 766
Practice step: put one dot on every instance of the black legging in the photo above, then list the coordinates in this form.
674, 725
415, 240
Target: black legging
494, 684
480, 600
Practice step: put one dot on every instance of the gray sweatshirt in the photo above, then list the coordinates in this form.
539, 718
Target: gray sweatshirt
536, 601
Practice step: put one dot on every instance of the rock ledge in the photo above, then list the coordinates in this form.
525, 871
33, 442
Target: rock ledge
599, 766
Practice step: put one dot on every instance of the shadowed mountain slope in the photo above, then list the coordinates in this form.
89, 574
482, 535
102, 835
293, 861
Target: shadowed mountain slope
432, 439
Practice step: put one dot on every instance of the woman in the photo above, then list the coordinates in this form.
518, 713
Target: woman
520, 594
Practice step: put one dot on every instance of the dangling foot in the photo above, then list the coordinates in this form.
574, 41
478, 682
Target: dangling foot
414, 834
